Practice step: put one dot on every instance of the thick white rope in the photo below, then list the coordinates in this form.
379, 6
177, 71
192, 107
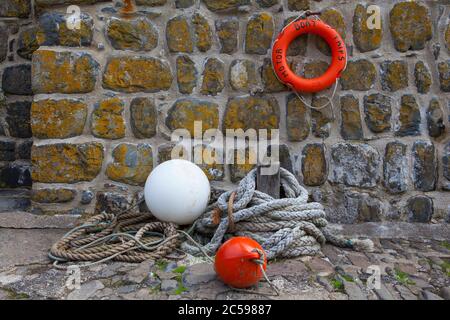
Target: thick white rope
285, 228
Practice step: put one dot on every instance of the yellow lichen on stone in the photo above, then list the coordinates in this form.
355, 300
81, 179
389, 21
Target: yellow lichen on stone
314, 165
185, 112
365, 38
137, 74
63, 72
57, 119
53, 195
297, 119
179, 36
134, 35
411, 27
66, 163
107, 119
252, 113
132, 164
260, 29
202, 32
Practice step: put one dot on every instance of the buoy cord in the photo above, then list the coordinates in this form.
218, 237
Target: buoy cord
260, 262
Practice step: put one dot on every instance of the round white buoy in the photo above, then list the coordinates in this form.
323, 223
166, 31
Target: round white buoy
177, 191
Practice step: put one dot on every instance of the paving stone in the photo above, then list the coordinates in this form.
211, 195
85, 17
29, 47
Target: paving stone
286, 268
383, 293
169, 285
445, 293
427, 295
320, 266
359, 260
86, 291
335, 255
354, 291
405, 293
139, 274
199, 274
325, 282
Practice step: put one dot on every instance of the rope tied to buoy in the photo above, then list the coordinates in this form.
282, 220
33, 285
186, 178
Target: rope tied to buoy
285, 228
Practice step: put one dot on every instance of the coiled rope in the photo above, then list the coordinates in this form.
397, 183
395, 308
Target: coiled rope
285, 228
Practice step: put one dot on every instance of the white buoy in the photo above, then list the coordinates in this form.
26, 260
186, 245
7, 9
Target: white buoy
177, 191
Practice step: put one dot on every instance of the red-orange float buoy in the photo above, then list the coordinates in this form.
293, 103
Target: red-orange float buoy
236, 264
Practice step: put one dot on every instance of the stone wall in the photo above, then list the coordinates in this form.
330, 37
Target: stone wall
107, 96
15, 103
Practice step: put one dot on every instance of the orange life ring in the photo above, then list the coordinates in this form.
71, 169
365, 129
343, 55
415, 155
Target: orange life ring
296, 29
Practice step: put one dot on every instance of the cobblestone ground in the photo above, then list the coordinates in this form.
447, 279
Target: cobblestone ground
410, 270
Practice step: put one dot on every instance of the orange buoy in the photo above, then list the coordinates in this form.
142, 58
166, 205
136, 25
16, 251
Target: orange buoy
235, 262
290, 33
